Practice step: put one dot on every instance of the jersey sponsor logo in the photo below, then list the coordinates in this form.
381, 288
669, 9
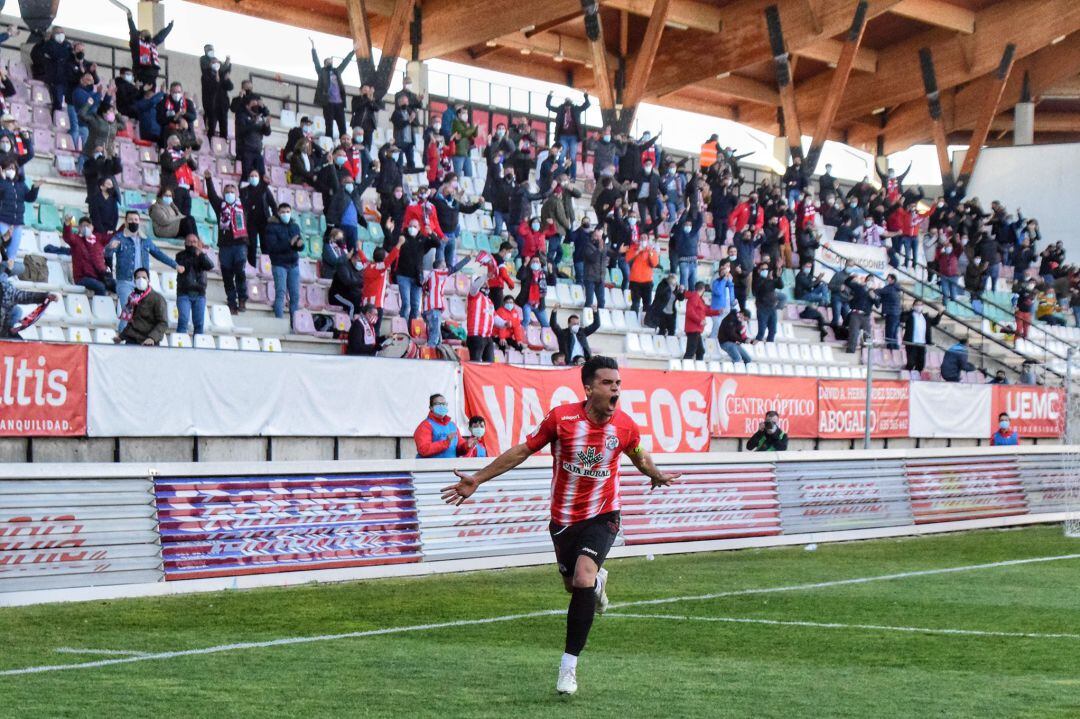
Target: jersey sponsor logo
588, 550
588, 459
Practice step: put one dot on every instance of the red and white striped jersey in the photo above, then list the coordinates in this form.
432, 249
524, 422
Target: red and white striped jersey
376, 277
585, 481
481, 317
434, 290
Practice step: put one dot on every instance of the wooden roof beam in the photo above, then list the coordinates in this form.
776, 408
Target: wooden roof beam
691, 14
552, 24
988, 109
784, 81
938, 13
646, 54
573, 49
451, 25
829, 51
839, 82
741, 88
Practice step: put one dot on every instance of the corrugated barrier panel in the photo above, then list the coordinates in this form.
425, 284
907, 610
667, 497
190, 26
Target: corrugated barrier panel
58, 533
953, 488
227, 526
837, 495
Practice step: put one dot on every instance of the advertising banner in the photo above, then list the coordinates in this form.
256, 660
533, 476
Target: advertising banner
254, 394
42, 390
838, 495
834, 254
1033, 411
950, 489
947, 409
740, 402
842, 409
229, 526
672, 409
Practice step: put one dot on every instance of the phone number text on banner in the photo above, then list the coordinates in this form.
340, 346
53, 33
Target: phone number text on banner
842, 409
672, 409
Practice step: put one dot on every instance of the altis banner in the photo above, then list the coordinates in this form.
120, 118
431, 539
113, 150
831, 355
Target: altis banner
842, 409
671, 408
42, 389
740, 402
1033, 411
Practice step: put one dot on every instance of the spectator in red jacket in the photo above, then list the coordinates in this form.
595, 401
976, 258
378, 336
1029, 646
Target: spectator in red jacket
533, 239
87, 257
499, 275
747, 214
903, 221
948, 269
696, 312
509, 332
423, 211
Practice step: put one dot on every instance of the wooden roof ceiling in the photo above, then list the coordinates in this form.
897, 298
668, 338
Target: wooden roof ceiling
714, 56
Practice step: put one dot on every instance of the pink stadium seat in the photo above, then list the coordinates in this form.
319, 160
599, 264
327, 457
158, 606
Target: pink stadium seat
41, 117
316, 202
272, 156
551, 342
151, 175
307, 272
533, 338
129, 153
265, 269
462, 284
341, 321
304, 323
39, 93
148, 154
392, 303
64, 143
285, 195
219, 146
257, 291
43, 141
398, 326
316, 296
303, 200
130, 176
531, 357
277, 176
250, 272
514, 357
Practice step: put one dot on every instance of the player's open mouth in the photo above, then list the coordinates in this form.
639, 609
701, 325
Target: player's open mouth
614, 401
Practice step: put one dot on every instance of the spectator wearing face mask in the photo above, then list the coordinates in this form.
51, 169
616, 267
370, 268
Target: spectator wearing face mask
364, 338
100, 165
167, 219
346, 211
87, 256
765, 285
594, 260
392, 215
474, 443
918, 333
449, 205
85, 95
347, 286
252, 125
531, 297
129, 249
145, 60
105, 208
390, 176
425, 214
437, 437
552, 166
499, 275
191, 285
696, 312
769, 437
216, 86
748, 215
732, 335
574, 339
647, 194
59, 56
434, 297
661, 314
569, 128
409, 271
10, 298
956, 361
232, 243
102, 126
480, 322
334, 252
579, 238
1005, 436
508, 329
1026, 300
891, 307
296, 135
259, 207
283, 243
146, 112
365, 112
176, 113
862, 304
685, 237
463, 134
643, 258
606, 149
144, 318
948, 270
376, 275
630, 162
330, 90
532, 236
14, 196
1048, 311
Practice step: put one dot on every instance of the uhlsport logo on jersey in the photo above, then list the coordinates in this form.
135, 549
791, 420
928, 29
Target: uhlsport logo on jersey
587, 459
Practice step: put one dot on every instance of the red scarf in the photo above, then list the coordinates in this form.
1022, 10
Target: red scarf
31, 317
183, 173
369, 331
232, 218
133, 301
148, 53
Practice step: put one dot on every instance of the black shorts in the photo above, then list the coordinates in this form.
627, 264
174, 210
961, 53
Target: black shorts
592, 538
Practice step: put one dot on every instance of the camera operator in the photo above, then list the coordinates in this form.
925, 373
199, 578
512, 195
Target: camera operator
769, 437
252, 125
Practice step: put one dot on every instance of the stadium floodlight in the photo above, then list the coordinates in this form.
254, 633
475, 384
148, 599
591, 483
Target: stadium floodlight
1072, 440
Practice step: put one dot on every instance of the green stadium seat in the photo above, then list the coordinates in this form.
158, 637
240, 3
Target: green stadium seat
369, 249
131, 198
314, 245
362, 234
309, 224
30, 214
201, 210
494, 241
48, 217
376, 232
207, 233
468, 241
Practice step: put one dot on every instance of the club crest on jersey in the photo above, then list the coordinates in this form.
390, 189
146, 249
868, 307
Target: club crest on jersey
587, 458
612, 443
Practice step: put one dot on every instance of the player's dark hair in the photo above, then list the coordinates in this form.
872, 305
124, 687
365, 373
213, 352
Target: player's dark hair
476, 420
591, 366
1003, 415
431, 399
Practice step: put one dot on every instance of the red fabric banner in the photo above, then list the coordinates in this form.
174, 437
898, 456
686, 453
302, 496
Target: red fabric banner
1034, 411
671, 408
42, 390
741, 401
842, 409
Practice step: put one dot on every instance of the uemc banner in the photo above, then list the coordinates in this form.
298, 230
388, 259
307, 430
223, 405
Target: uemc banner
42, 389
842, 409
1033, 411
228, 526
740, 402
672, 409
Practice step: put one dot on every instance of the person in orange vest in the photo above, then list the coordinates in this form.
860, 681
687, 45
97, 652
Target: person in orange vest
710, 151
643, 258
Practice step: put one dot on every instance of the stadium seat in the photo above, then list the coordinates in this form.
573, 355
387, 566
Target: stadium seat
203, 342
250, 344
49, 333
456, 308
79, 334
179, 340
618, 317
270, 344
227, 342
221, 321
633, 344
78, 309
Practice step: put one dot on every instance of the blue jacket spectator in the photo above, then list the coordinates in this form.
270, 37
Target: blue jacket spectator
131, 253
955, 362
83, 94
686, 243
890, 298
278, 242
862, 300
146, 109
14, 194
579, 237
59, 57
723, 293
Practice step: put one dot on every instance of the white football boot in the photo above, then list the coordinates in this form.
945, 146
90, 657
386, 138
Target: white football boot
567, 680
601, 591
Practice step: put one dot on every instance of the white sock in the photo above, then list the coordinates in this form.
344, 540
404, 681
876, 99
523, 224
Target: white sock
569, 661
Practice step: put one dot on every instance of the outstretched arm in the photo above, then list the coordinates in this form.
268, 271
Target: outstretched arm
458, 493
644, 462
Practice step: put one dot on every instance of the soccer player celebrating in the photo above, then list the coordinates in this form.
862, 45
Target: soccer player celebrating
586, 439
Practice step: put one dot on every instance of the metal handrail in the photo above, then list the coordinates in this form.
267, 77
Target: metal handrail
945, 312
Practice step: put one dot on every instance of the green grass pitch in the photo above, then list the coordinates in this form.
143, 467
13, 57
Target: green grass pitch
873, 659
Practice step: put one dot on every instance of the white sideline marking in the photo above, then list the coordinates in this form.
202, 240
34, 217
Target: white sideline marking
512, 617
116, 652
833, 625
